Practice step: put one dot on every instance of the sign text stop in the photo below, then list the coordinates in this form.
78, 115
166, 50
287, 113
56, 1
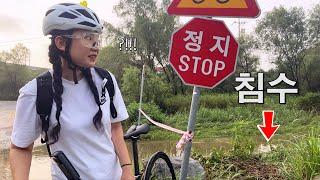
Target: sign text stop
203, 52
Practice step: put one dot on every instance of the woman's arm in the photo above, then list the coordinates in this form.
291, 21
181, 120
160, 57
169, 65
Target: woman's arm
121, 148
20, 161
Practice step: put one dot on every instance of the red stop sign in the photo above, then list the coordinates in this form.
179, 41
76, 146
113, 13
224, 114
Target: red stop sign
203, 52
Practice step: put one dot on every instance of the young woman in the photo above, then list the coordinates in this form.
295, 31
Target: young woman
80, 124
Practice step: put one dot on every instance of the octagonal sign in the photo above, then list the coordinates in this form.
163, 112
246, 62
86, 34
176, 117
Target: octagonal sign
203, 52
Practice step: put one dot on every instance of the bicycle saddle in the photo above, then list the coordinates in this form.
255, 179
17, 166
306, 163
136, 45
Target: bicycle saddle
135, 131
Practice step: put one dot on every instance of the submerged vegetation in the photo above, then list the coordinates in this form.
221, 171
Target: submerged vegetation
293, 153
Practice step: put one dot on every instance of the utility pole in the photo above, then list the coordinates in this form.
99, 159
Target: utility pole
239, 28
239, 22
29, 58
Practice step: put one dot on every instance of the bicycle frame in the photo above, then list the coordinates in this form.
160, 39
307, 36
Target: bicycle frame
133, 134
134, 143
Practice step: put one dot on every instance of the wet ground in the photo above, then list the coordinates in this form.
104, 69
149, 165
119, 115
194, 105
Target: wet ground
40, 167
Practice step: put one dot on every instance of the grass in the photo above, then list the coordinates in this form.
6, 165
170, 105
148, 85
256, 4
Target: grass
298, 158
303, 157
219, 120
298, 149
238, 162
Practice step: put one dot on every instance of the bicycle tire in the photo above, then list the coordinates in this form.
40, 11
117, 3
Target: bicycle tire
152, 162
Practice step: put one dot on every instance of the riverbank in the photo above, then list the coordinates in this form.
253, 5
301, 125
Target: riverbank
297, 155
40, 167
220, 116
7, 115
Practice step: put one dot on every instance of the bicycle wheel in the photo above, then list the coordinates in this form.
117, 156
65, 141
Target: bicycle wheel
159, 167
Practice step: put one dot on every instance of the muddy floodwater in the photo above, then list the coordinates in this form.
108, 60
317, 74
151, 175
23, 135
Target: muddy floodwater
40, 167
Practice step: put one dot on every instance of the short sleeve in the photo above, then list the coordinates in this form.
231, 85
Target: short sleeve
118, 103
27, 125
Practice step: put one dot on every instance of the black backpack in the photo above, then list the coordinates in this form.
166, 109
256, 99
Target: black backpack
45, 99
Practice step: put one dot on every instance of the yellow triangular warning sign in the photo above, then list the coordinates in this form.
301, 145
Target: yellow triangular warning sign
225, 8
212, 4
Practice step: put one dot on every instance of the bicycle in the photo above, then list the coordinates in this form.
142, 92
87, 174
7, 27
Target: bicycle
153, 170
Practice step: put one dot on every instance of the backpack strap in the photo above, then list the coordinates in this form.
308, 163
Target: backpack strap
45, 99
44, 103
104, 74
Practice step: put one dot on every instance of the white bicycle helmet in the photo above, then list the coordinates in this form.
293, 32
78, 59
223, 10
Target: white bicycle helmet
66, 16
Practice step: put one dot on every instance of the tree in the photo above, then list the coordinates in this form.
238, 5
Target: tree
152, 27
130, 9
312, 66
20, 54
14, 72
114, 60
247, 61
283, 32
130, 84
314, 26
155, 86
4, 56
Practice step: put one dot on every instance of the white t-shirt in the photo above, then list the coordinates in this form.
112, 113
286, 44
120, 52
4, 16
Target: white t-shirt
91, 152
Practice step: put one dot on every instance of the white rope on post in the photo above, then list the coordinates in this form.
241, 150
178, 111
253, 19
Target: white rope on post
162, 125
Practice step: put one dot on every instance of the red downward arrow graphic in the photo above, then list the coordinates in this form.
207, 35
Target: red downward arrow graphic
268, 129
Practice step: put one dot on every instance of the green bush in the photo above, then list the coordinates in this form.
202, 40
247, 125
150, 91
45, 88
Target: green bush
154, 112
151, 109
130, 84
218, 100
220, 164
242, 146
310, 102
178, 120
206, 115
13, 77
155, 86
180, 103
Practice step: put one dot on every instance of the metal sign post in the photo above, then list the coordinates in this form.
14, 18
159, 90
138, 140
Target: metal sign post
191, 126
204, 52
205, 63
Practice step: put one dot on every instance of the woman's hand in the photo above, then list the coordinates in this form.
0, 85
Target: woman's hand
126, 173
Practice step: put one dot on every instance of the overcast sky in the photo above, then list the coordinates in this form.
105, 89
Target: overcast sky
21, 21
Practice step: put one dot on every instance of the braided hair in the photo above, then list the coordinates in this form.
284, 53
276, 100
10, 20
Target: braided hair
97, 118
55, 59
